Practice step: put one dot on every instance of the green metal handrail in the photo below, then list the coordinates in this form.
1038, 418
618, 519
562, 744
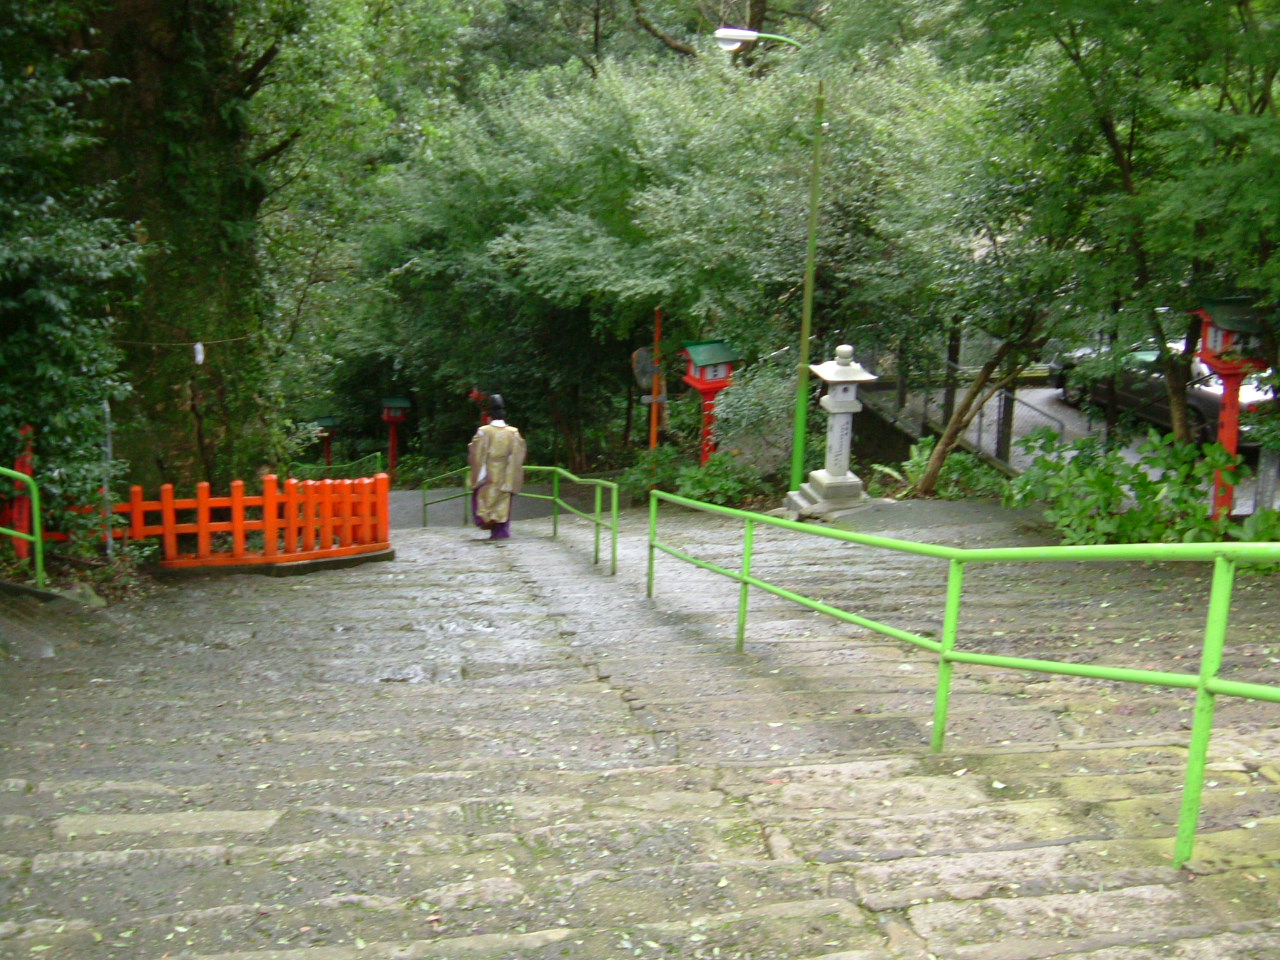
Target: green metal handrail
1207, 684
429, 483
36, 536
558, 503
558, 473
364, 467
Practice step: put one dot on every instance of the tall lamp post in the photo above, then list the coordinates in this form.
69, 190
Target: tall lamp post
733, 39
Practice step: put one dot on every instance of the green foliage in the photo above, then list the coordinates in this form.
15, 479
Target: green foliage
963, 475
755, 416
1095, 495
412, 470
659, 467
60, 255
723, 479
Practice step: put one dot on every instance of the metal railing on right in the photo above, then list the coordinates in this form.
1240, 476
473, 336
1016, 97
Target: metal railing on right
1205, 682
366, 466
922, 405
35, 535
558, 503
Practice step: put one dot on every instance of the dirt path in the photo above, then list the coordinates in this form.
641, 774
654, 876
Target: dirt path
481, 751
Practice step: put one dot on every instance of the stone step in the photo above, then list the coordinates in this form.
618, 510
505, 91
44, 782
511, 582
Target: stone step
355, 926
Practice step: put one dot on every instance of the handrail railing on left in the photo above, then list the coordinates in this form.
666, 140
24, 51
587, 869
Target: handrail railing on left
428, 485
1205, 682
35, 535
558, 503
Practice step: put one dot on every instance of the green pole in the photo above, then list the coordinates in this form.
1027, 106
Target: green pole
613, 526
806, 310
653, 537
555, 504
748, 539
597, 525
1215, 632
950, 627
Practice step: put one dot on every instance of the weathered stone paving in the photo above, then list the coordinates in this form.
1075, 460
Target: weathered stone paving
481, 751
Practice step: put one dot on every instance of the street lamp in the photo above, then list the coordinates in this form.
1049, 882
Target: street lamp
733, 39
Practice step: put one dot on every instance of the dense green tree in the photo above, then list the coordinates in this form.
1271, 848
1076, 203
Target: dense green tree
59, 253
175, 139
1151, 127
563, 212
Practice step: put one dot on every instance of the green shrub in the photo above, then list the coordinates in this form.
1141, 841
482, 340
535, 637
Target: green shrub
963, 475
1095, 495
659, 467
723, 480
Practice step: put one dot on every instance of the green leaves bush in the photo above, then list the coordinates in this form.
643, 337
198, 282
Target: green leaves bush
724, 479
963, 475
1095, 495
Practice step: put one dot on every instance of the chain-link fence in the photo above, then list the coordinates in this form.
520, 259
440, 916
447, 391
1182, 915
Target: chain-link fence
923, 403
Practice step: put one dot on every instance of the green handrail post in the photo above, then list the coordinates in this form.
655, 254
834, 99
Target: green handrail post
744, 589
1215, 633
555, 504
950, 628
426, 492
36, 536
613, 524
558, 503
597, 523
653, 541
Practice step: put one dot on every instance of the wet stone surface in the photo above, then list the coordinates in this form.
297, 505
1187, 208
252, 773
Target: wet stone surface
483, 751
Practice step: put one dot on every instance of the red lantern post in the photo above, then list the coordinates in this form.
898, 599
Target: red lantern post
1229, 346
710, 369
327, 426
395, 411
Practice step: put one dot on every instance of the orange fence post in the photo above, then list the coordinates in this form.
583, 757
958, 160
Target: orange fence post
363, 510
203, 546
309, 515
169, 522
382, 485
137, 514
237, 518
345, 536
290, 516
326, 514
270, 516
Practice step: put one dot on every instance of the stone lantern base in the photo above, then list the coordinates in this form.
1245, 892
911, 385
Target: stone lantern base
824, 495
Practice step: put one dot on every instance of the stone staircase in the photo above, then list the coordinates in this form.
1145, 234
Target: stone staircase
484, 751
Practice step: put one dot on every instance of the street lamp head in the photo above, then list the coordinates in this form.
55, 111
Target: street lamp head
732, 39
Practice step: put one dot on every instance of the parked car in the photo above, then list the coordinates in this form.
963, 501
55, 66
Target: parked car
1140, 390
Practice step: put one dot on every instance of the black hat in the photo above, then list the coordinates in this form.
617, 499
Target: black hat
496, 407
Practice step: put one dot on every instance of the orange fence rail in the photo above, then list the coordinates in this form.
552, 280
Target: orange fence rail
299, 520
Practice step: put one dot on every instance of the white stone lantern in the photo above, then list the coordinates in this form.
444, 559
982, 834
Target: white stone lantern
835, 486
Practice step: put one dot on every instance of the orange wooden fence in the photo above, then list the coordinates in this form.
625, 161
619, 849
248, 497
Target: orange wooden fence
299, 520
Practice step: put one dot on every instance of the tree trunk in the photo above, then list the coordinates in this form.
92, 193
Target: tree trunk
981, 390
174, 139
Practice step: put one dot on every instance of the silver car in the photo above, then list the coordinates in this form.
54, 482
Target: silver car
1140, 391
